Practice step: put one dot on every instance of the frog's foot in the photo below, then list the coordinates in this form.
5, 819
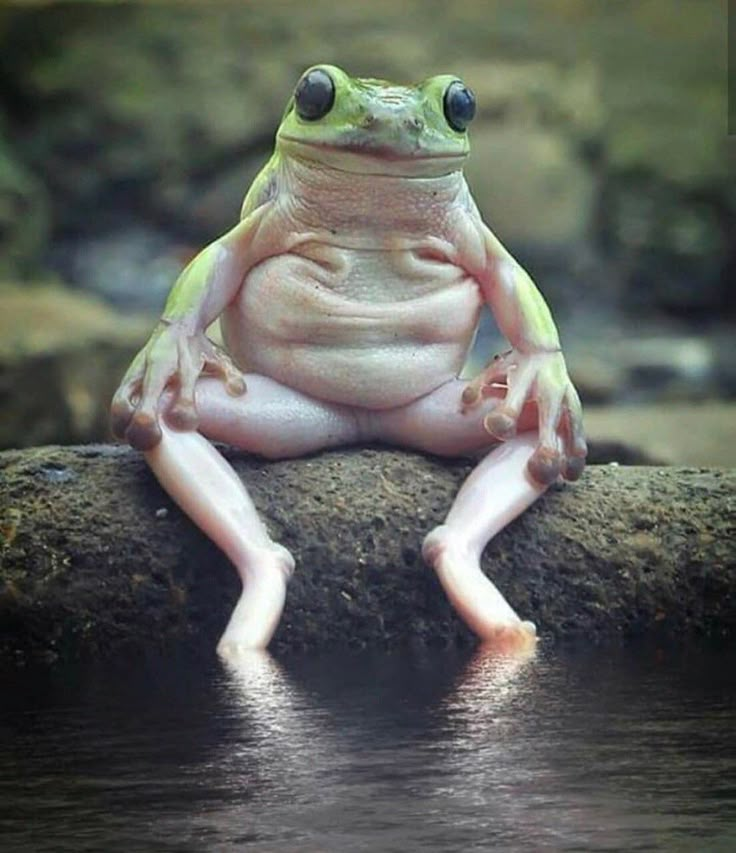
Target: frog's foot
475, 598
257, 613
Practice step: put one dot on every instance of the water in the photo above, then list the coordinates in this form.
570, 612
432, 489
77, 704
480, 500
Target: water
373, 752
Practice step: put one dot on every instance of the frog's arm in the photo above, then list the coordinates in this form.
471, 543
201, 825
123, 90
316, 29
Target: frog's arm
519, 308
263, 188
534, 369
178, 350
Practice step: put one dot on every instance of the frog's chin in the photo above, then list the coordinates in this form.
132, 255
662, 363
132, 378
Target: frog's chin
366, 159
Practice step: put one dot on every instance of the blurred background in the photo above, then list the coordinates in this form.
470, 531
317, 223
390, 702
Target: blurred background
129, 134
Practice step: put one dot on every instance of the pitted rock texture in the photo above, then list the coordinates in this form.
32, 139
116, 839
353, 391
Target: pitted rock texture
95, 557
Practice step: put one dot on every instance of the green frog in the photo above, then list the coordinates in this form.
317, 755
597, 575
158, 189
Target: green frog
349, 294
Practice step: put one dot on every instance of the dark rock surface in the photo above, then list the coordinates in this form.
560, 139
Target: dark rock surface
95, 557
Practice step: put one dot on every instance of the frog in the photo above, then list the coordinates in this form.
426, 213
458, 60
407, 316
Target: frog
348, 295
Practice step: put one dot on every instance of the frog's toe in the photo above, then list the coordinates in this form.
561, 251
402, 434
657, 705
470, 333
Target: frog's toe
219, 363
235, 384
545, 465
501, 423
232, 651
511, 638
121, 413
144, 431
183, 415
573, 467
573, 436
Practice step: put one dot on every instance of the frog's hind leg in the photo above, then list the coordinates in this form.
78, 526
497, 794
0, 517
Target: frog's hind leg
208, 490
269, 419
495, 493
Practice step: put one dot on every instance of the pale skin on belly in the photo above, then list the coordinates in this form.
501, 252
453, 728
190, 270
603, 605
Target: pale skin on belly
350, 294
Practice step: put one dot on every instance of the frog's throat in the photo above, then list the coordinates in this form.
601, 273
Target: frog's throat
365, 159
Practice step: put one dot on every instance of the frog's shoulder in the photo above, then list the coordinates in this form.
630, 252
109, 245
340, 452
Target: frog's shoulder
263, 188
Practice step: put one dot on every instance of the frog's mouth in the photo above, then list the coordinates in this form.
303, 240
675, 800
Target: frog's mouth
363, 156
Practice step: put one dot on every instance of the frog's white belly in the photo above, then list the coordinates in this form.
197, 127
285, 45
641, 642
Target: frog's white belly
372, 329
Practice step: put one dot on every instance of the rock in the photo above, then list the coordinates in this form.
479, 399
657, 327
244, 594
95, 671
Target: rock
61, 358
95, 558
674, 433
615, 451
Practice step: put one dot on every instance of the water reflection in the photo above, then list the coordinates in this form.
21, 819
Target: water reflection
330, 754
489, 681
284, 731
450, 751
426, 751
260, 687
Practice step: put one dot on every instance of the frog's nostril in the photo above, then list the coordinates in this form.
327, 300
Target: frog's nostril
369, 120
414, 123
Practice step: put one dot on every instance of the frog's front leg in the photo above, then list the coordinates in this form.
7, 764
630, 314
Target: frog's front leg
274, 421
178, 351
534, 369
498, 490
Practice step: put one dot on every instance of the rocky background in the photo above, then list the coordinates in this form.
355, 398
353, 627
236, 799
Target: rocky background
129, 134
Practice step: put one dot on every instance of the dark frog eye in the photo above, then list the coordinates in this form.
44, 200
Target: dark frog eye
459, 106
314, 95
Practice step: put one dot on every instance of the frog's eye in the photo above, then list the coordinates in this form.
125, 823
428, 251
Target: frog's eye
459, 105
314, 95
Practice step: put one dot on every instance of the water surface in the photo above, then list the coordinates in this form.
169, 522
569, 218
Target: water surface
430, 751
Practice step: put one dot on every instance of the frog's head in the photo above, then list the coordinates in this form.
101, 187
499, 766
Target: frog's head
374, 127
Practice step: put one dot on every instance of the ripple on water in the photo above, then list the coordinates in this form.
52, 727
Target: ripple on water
630, 750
